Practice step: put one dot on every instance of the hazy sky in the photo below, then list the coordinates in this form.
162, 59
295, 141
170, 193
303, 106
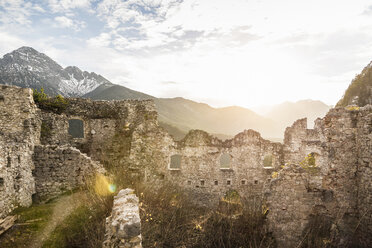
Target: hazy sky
222, 52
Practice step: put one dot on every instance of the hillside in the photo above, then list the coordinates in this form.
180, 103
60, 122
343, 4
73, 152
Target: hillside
186, 114
359, 91
115, 92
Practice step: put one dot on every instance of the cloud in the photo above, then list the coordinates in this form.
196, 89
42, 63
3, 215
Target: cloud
9, 42
368, 10
68, 5
154, 26
169, 83
18, 12
65, 22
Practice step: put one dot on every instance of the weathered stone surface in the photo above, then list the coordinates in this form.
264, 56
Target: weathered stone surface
340, 185
104, 122
61, 168
200, 172
19, 132
123, 226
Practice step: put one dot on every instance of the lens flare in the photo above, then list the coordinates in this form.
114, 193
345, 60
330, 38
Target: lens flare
104, 185
112, 188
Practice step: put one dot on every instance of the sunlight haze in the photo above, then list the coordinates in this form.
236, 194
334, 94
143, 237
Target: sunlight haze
237, 52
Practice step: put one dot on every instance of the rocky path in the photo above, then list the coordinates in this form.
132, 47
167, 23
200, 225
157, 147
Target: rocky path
63, 208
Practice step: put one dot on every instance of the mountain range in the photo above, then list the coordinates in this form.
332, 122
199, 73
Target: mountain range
26, 67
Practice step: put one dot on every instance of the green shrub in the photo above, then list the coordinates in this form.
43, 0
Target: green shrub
39, 97
56, 104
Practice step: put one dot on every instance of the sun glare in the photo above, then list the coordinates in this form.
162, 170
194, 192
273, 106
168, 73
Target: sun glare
103, 185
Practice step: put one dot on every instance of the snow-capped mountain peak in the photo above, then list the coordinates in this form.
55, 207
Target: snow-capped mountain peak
26, 67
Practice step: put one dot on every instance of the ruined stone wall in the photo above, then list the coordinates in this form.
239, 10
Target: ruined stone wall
19, 132
200, 171
364, 139
337, 190
107, 129
59, 169
107, 126
123, 226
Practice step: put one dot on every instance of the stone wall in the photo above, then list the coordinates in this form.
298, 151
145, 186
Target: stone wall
59, 169
200, 171
19, 132
337, 189
107, 126
107, 129
364, 139
123, 226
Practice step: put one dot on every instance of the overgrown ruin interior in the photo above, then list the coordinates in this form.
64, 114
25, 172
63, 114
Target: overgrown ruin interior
322, 172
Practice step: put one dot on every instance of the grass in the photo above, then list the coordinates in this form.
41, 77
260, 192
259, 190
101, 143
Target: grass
85, 226
30, 222
80, 229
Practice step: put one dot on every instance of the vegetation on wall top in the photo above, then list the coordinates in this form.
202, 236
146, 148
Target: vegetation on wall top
56, 104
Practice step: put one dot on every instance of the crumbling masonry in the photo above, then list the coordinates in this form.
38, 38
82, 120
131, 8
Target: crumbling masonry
322, 173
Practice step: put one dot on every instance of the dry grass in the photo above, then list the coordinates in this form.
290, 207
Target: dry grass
170, 219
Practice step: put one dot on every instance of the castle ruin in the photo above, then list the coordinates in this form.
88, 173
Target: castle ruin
323, 172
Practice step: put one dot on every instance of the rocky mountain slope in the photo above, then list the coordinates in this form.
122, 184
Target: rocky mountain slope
115, 92
359, 91
26, 67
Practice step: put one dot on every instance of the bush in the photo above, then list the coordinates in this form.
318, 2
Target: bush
56, 104
40, 97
